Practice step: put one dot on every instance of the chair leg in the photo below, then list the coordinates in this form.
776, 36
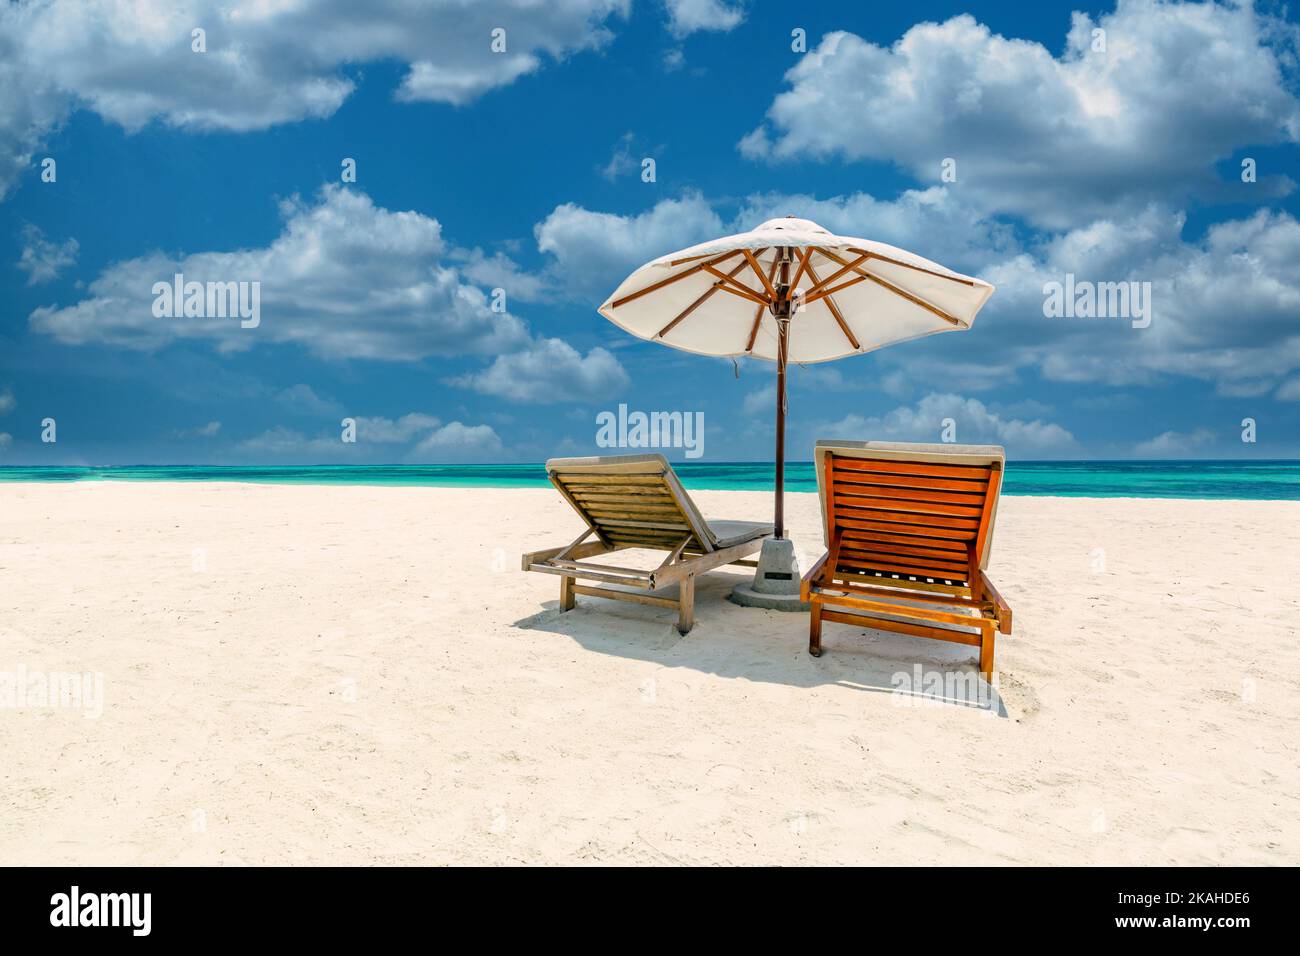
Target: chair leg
566, 593
815, 629
686, 603
987, 632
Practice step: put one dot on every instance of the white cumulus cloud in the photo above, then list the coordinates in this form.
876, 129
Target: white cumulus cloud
344, 279
550, 370
42, 259
460, 437
1057, 140
689, 16
594, 251
1173, 444
975, 423
415, 436
266, 63
210, 430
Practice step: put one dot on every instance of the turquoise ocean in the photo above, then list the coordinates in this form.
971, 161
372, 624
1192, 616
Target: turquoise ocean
1255, 480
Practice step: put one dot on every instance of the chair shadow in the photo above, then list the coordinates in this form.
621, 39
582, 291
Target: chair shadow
772, 647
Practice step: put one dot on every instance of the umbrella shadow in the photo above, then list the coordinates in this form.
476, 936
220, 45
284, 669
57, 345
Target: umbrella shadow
731, 641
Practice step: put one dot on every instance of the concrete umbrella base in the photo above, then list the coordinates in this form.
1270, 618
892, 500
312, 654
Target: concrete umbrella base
776, 580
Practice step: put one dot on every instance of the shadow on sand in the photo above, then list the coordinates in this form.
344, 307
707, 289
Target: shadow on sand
772, 647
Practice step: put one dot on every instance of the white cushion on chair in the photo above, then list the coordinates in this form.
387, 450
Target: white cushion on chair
727, 533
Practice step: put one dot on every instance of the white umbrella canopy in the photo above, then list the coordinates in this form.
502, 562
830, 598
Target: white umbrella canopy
857, 295
791, 291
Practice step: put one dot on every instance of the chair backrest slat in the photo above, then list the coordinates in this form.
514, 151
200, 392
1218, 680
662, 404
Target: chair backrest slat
631, 501
918, 517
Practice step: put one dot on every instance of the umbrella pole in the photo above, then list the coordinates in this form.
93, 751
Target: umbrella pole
783, 325
781, 310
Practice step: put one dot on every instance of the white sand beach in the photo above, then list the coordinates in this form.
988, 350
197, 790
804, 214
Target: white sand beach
313, 675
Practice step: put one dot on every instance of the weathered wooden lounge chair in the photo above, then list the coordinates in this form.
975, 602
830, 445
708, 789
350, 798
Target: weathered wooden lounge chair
908, 531
636, 501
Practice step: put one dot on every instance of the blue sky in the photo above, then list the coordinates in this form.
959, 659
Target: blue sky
522, 171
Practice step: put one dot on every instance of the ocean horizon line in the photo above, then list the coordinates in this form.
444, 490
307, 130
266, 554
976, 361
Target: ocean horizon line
671, 461
1204, 478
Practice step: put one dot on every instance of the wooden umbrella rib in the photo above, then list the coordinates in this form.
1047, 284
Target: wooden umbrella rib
798, 273
847, 267
747, 296
886, 284
753, 332
915, 300
758, 313
735, 286
758, 271
835, 310
824, 292
709, 264
908, 265
707, 255
696, 304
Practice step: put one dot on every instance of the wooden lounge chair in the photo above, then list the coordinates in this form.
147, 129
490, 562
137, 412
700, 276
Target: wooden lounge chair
908, 531
636, 501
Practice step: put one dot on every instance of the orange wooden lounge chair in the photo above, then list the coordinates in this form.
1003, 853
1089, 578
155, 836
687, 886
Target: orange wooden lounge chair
908, 528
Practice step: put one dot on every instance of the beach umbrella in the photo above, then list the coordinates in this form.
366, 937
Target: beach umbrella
790, 291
